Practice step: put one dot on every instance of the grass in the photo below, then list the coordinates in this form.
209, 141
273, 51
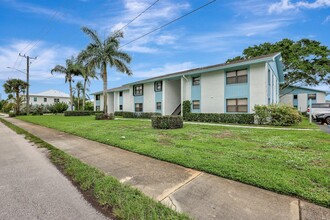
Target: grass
125, 202
290, 162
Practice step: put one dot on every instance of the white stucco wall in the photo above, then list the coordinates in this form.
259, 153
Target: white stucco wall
50, 100
186, 87
302, 102
149, 104
287, 99
171, 95
115, 101
213, 92
320, 97
110, 103
128, 100
258, 85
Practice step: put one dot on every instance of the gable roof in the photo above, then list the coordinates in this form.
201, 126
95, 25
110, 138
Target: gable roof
306, 88
276, 57
52, 93
270, 57
117, 89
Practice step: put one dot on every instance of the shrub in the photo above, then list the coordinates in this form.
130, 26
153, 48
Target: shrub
137, 114
12, 114
9, 106
81, 113
218, 118
102, 116
284, 115
59, 107
120, 113
262, 113
278, 115
186, 107
167, 122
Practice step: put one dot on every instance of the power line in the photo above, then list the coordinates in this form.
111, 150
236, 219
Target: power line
138, 16
42, 31
162, 26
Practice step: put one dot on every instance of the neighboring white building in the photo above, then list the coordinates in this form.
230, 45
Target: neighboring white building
234, 87
49, 97
299, 97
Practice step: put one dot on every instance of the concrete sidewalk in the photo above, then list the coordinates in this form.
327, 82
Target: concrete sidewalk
32, 188
201, 195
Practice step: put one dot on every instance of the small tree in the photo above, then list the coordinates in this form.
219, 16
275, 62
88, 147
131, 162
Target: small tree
16, 87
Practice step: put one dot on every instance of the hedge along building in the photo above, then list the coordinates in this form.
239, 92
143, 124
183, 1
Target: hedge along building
299, 97
234, 87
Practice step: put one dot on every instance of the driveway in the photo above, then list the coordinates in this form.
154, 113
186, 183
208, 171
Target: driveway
32, 188
324, 127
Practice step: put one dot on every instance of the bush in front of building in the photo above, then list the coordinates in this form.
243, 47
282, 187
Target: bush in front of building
59, 107
277, 115
167, 122
147, 115
102, 116
81, 113
186, 108
120, 113
220, 118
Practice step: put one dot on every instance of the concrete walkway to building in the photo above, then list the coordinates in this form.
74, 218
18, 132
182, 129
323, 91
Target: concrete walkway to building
32, 188
201, 195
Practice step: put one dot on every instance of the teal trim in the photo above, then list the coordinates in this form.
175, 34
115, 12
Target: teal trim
138, 99
237, 90
196, 95
158, 98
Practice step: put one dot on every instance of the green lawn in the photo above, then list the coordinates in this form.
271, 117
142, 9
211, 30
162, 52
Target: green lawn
290, 162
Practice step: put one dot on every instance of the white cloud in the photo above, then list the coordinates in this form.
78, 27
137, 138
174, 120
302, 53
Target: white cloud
326, 20
285, 5
166, 69
43, 11
48, 57
159, 14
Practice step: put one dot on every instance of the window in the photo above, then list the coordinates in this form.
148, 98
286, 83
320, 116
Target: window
120, 107
97, 97
196, 81
138, 107
237, 76
97, 108
158, 105
158, 86
295, 96
195, 104
120, 93
138, 90
35, 99
237, 105
56, 100
45, 99
311, 96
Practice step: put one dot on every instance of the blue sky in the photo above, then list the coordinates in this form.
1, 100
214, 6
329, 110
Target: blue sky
51, 30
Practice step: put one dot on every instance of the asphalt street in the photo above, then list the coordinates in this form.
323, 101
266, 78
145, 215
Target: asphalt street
32, 188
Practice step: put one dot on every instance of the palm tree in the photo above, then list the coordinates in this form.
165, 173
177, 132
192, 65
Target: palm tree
100, 53
88, 73
15, 86
70, 70
78, 89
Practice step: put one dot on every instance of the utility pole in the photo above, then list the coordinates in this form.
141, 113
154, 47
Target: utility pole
27, 80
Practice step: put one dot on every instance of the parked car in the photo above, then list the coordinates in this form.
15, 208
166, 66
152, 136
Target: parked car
318, 108
323, 118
